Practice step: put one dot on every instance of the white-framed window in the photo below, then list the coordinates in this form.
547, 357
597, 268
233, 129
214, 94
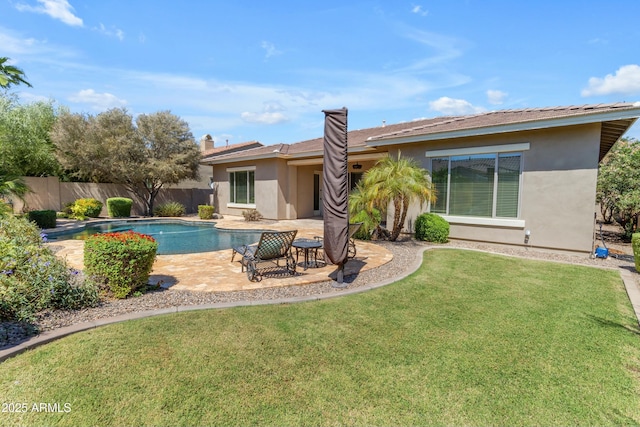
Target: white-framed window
242, 187
480, 184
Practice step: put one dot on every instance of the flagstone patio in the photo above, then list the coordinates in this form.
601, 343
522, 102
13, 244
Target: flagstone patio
214, 271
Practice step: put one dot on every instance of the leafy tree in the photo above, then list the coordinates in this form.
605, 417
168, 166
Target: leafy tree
158, 149
398, 181
25, 146
10, 75
618, 190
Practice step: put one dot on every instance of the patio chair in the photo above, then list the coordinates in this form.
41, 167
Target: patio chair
351, 249
272, 247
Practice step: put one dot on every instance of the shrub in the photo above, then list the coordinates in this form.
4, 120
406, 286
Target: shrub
432, 228
369, 223
44, 218
205, 211
635, 244
66, 211
86, 208
5, 208
119, 207
119, 262
32, 278
170, 209
252, 215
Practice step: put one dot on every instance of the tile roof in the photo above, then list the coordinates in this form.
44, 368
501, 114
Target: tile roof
616, 119
217, 151
507, 117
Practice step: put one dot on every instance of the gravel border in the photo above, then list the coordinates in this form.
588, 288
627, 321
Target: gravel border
403, 263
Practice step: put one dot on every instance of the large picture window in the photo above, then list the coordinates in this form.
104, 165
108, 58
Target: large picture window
478, 185
242, 187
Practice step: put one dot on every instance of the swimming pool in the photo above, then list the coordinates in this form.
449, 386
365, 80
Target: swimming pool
173, 237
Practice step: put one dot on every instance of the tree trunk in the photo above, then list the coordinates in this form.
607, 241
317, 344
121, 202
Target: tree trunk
399, 215
153, 193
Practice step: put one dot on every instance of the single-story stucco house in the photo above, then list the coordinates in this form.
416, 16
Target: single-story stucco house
515, 177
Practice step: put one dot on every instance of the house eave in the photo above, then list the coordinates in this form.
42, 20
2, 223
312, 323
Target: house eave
246, 159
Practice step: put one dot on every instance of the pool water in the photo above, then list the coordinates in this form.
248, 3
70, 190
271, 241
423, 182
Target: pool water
175, 237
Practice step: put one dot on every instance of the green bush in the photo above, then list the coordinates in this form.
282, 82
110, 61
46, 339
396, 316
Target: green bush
66, 211
170, 209
432, 228
119, 263
32, 278
635, 244
369, 223
86, 208
205, 211
252, 215
44, 218
5, 208
119, 207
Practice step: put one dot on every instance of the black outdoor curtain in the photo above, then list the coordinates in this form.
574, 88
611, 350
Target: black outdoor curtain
335, 186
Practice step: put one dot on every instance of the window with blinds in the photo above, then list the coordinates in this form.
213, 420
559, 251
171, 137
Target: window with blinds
481, 185
241, 185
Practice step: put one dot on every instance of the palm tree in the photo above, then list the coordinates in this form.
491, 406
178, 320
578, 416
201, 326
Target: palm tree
10, 75
399, 181
11, 185
360, 211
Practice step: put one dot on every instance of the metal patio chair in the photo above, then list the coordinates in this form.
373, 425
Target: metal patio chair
273, 247
351, 249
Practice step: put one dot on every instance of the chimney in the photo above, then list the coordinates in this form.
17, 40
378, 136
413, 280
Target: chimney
206, 143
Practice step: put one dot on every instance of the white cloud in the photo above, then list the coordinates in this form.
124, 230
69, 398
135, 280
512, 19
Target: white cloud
97, 101
444, 48
496, 97
12, 45
29, 97
626, 81
112, 32
265, 118
450, 106
417, 9
16, 45
270, 49
57, 9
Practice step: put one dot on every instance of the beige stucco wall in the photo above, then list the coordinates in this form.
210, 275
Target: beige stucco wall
558, 188
305, 189
203, 183
271, 177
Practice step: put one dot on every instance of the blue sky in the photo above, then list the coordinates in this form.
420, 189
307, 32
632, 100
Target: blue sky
265, 70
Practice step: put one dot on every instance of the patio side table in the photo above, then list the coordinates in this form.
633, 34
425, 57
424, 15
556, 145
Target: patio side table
306, 245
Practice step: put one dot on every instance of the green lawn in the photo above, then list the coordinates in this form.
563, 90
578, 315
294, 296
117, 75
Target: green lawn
469, 339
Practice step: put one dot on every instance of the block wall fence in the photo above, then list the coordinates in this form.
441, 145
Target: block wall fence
51, 193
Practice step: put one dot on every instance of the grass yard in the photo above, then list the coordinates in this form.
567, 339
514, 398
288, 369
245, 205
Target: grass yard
469, 339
